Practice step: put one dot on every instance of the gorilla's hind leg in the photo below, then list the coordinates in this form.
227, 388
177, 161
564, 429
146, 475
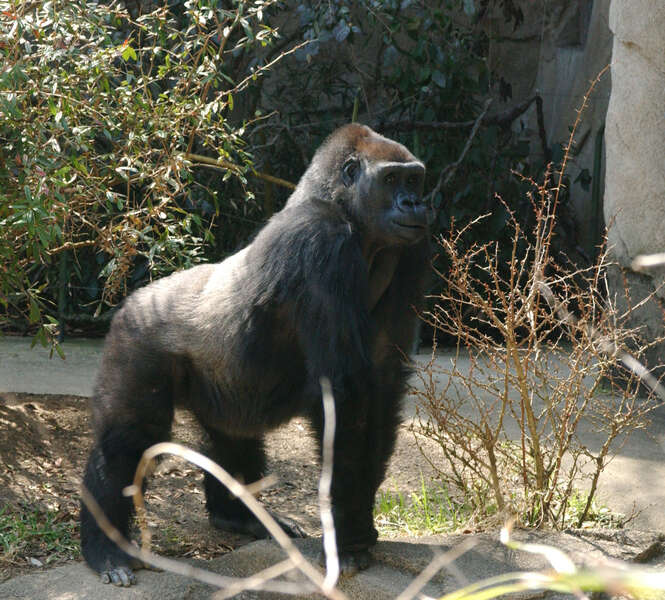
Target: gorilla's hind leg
111, 468
244, 459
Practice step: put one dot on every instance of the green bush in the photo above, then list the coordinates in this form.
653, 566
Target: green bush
98, 109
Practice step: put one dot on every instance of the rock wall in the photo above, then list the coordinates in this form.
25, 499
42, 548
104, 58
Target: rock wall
634, 202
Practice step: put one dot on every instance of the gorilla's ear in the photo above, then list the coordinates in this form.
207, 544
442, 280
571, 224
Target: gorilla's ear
350, 171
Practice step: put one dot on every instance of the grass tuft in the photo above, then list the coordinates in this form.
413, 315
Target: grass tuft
46, 536
431, 510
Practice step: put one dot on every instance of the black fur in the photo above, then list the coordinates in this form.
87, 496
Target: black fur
328, 288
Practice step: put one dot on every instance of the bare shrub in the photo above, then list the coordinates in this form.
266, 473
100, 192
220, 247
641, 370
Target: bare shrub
542, 387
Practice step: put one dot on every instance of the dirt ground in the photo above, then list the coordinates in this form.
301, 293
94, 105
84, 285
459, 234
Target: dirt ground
44, 442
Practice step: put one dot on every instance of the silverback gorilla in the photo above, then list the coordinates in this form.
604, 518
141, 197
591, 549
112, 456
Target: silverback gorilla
328, 287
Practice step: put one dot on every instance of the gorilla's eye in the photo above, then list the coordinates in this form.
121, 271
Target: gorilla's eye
350, 171
413, 180
390, 178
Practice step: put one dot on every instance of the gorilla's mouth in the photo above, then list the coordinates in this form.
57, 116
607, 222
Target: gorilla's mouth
413, 226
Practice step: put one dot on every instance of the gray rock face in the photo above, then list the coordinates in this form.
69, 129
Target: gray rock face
634, 204
635, 130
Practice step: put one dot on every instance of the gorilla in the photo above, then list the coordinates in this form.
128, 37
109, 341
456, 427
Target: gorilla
330, 286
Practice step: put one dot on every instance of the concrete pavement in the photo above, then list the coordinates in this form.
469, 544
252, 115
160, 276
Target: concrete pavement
30, 370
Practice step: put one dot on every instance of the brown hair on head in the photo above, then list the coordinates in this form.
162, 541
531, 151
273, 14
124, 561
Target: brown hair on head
358, 138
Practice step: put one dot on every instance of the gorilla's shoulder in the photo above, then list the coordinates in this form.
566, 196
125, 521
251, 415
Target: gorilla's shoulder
303, 245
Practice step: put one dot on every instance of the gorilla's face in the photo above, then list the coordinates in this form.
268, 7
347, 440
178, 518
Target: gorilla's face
376, 179
389, 198
397, 189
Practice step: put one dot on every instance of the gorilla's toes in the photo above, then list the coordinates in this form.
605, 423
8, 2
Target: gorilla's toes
291, 528
120, 576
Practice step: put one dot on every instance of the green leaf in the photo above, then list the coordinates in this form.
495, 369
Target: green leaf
34, 311
128, 53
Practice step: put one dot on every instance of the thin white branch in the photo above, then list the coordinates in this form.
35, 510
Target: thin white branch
325, 483
645, 261
256, 581
438, 562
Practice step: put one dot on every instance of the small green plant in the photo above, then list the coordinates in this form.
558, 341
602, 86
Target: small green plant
39, 534
596, 515
431, 510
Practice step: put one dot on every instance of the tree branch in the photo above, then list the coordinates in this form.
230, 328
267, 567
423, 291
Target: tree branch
225, 164
501, 118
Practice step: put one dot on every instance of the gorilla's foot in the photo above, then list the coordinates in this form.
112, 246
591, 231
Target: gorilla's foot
111, 563
350, 562
252, 526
